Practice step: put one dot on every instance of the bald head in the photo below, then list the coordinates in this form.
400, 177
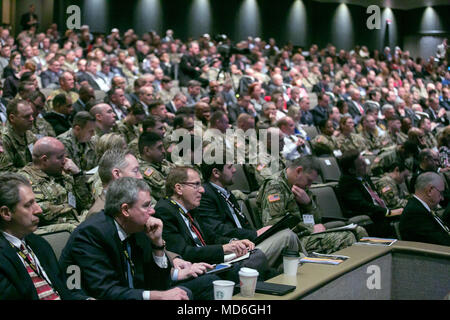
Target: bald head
430, 188
46, 146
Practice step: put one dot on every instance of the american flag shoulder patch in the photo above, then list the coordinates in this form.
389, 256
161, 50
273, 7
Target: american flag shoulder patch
385, 189
274, 197
148, 172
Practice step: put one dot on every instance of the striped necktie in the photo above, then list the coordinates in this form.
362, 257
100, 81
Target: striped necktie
43, 288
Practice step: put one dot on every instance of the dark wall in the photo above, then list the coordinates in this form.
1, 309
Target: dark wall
273, 19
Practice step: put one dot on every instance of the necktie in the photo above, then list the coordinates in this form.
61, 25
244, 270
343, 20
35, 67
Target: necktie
195, 229
361, 110
130, 265
375, 196
440, 222
43, 288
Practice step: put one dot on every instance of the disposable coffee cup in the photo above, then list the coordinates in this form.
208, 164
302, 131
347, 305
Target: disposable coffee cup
223, 289
290, 262
248, 278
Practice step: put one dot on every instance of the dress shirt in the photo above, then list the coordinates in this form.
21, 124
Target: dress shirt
187, 222
227, 194
16, 242
160, 261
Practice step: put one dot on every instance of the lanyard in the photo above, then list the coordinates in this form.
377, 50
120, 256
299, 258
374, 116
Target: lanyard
127, 256
231, 204
191, 224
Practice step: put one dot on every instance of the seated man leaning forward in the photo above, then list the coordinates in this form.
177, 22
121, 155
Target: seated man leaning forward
287, 192
120, 251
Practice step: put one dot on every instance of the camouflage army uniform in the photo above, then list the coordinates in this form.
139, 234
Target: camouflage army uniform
265, 167
377, 142
82, 154
386, 159
430, 140
276, 199
390, 192
129, 132
42, 128
323, 144
17, 150
354, 141
61, 199
155, 175
398, 138
49, 104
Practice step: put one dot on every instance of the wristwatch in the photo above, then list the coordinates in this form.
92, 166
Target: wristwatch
159, 247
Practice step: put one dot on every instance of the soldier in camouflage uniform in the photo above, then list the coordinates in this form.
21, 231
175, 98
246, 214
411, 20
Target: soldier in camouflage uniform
129, 127
288, 193
41, 127
105, 120
59, 187
430, 140
388, 187
17, 138
325, 143
403, 153
77, 141
152, 163
374, 141
267, 162
67, 83
394, 133
347, 138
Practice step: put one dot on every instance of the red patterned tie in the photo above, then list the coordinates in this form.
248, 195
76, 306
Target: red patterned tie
194, 229
44, 290
375, 196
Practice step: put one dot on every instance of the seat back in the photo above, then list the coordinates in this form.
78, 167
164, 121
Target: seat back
57, 241
328, 202
257, 220
246, 212
240, 181
311, 131
329, 168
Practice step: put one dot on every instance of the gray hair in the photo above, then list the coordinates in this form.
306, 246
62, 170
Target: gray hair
123, 190
111, 159
386, 107
9, 189
426, 179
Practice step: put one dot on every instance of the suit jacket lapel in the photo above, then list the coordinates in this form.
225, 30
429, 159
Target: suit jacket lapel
21, 280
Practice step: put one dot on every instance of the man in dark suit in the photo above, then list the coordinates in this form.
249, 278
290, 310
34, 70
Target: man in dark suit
29, 269
419, 222
358, 196
190, 66
59, 117
185, 236
29, 19
322, 110
219, 215
354, 105
120, 250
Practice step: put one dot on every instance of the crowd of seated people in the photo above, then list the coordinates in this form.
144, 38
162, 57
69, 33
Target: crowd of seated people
90, 132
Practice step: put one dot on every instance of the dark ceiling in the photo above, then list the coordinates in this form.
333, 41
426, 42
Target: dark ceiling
393, 4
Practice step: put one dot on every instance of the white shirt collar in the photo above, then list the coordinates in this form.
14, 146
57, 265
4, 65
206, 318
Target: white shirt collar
181, 206
14, 240
122, 234
224, 191
423, 203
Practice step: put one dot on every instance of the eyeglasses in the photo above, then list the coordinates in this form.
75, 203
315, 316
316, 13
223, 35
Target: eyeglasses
195, 185
441, 192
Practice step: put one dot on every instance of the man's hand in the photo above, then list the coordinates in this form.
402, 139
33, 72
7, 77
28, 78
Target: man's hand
194, 270
70, 167
170, 115
300, 195
172, 294
179, 263
237, 247
319, 228
262, 230
396, 212
153, 229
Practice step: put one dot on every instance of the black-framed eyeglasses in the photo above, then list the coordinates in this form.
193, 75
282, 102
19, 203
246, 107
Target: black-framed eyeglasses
195, 185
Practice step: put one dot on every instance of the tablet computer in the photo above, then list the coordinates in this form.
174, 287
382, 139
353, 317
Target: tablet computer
272, 288
220, 268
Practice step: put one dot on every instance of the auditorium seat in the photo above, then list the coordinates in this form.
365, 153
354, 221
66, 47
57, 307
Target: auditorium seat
254, 210
240, 181
329, 168
57, 240
311, 131
246, 212
328, 203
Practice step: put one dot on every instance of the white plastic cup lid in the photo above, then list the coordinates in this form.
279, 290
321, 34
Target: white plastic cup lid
248, 272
